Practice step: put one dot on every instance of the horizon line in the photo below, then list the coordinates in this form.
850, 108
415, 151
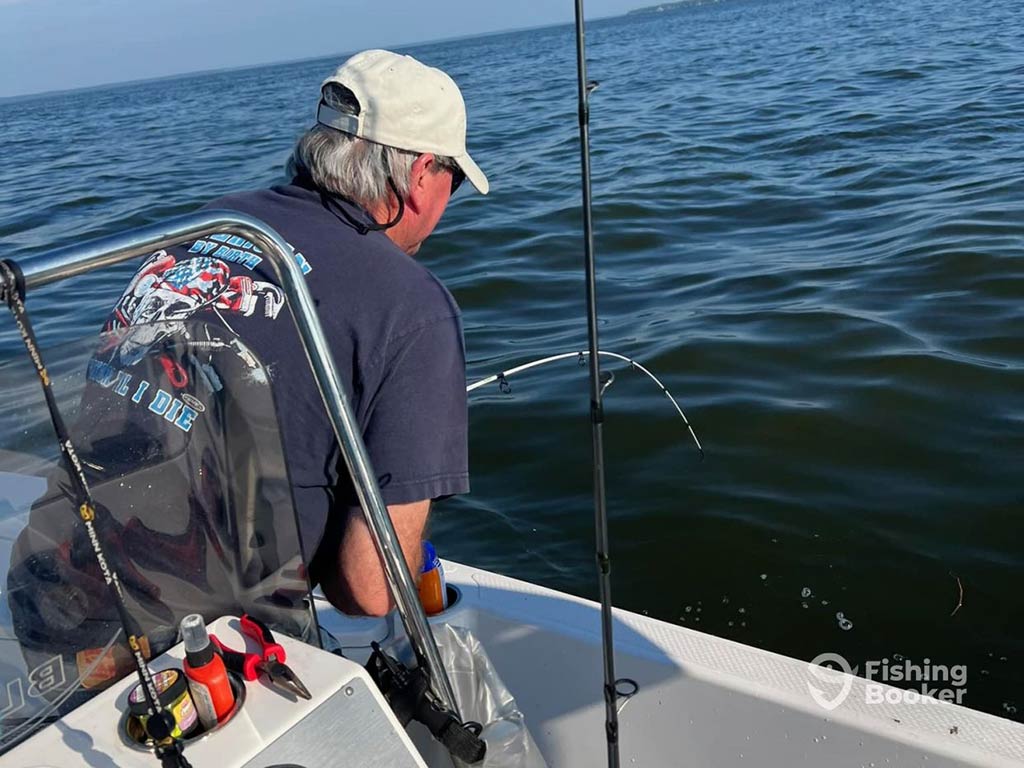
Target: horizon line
257, 65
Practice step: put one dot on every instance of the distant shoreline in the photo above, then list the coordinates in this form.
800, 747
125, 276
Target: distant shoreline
662, 7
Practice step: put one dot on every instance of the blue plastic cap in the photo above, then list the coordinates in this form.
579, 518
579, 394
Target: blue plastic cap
429, 557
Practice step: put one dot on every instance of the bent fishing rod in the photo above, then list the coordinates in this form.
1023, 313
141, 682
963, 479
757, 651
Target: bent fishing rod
501, 379
604, 566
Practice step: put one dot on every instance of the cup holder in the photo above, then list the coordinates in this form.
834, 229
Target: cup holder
454, 595
134, 735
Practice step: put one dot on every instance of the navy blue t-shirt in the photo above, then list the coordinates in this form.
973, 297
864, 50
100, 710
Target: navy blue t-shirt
394, 330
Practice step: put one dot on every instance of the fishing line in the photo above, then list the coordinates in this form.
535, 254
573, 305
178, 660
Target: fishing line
502, 377
170, 754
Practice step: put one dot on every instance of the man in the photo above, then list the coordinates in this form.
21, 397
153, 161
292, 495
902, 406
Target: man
189, 481
370, 182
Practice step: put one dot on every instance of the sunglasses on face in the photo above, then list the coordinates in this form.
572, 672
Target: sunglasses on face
457, 177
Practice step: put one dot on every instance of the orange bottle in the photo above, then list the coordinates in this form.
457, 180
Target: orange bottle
433, 589
207, 676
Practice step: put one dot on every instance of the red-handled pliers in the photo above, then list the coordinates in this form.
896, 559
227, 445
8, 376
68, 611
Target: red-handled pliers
270, 661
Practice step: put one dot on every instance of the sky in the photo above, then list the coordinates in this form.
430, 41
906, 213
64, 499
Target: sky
48, 45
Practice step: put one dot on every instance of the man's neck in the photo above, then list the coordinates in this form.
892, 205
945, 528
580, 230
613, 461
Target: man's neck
382, 213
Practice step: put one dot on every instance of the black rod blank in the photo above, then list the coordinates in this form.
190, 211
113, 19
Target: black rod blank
596, 407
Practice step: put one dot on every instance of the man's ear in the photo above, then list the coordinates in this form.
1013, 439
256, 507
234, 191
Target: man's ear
421, 166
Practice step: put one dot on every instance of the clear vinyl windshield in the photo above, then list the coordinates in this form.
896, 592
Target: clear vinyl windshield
176, 427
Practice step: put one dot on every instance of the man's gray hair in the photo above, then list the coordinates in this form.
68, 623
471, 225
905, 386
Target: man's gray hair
349, 166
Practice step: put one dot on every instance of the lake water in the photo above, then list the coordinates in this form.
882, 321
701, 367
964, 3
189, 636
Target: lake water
810, 220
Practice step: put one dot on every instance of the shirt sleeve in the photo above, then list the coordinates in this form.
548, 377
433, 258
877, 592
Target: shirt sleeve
415, 427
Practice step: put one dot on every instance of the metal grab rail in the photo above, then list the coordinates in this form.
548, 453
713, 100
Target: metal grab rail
106, 251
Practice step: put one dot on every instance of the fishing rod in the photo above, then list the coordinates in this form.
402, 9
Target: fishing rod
604, 566
160, 722
501, 379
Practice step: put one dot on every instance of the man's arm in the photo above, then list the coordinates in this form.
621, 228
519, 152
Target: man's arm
356, 583
415, 434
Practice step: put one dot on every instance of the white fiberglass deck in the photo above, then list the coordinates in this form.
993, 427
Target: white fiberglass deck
703, 702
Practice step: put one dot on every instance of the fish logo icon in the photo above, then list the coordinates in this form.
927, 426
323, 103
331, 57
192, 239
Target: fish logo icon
835, 672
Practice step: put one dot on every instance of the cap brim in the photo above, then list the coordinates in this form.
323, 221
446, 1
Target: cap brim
473, 173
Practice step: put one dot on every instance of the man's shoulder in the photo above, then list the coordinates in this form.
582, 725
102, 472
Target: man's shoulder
419, 287
365, 262
252, 202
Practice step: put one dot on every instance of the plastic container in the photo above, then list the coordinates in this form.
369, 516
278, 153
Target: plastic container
433, 589
206, 673
133, 732
174, 695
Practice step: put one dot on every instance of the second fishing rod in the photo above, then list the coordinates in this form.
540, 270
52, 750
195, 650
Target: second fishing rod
603, 557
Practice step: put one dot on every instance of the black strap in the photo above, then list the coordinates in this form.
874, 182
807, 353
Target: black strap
462, 740
160, 722
332, 202
408, 693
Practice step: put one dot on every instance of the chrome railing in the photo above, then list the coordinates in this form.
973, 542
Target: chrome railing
104, 252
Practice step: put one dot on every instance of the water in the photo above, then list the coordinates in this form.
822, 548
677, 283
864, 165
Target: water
809, 224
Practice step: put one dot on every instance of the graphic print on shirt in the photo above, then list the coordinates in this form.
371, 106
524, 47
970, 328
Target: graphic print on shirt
167, 291
165, 300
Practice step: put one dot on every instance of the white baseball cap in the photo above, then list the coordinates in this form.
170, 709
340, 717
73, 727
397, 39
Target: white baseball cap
405, 104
